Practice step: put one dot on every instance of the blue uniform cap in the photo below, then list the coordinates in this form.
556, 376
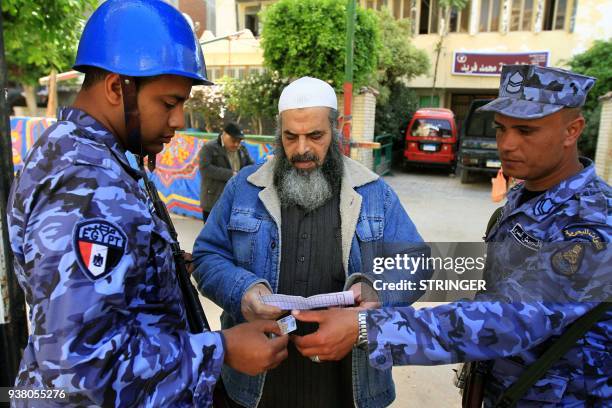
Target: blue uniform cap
532, 92
141, 38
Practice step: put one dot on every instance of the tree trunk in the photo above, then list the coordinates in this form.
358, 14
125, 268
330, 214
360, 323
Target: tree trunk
438, 49
30, 97
52, 99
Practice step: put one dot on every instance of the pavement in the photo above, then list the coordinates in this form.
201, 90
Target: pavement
443, 210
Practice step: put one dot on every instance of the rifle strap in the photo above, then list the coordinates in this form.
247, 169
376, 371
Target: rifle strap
561, 346
497, 214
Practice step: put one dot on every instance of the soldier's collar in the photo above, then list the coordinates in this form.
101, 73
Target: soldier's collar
96, 131
542, 206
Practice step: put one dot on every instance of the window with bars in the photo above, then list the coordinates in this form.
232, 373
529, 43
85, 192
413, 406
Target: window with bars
460, 19
555, 13
251, 19
490, 11
398, 8
521, 15
237, 72
428, 21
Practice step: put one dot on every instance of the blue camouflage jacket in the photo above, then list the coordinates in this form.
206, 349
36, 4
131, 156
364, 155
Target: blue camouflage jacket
548, 264
107, 320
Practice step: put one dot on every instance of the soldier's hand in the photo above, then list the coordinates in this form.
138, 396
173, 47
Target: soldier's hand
336, 336
253, 308
250, 351
365, 296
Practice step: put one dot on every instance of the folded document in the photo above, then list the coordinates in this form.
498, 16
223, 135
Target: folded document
288, 302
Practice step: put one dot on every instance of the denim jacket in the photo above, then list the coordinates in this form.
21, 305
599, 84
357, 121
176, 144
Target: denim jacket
240, 246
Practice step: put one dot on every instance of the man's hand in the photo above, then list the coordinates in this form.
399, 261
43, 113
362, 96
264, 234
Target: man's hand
250, 351
188, 262
336, 336
365, 296
253, 308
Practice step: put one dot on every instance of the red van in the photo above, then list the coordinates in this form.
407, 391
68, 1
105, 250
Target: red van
431, 138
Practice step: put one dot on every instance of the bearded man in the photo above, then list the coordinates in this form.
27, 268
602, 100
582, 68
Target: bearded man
306, 222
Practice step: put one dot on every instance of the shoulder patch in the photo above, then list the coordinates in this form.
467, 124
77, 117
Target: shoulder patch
567, 261
99, 245
583, 233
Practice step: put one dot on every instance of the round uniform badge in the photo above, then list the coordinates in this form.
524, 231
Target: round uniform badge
99, 245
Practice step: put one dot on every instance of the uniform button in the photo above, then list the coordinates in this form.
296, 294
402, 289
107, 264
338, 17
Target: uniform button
302, 258
304, 235
273, 244
381, 359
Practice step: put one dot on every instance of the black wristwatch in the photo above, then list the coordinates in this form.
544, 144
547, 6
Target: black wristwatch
362, 338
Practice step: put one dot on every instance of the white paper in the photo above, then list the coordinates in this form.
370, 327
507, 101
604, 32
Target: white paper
288, 302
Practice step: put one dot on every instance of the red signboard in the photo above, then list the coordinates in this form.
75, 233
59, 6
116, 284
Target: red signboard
490, 64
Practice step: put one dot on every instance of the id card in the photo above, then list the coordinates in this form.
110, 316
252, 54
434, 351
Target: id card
287, 324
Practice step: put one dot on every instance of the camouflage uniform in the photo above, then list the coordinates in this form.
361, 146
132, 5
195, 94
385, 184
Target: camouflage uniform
546, 259
107, 320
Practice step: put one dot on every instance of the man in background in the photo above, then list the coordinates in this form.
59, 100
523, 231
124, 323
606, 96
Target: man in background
220, 159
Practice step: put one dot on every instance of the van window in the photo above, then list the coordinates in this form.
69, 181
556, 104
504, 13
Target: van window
481, 124
431, 127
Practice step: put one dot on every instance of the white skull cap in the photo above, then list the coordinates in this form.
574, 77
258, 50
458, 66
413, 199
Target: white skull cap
307, 92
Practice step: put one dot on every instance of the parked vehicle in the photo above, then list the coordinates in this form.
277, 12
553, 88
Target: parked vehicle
431, 138
477, 144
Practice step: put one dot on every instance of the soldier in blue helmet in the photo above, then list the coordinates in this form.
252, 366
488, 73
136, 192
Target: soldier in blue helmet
548, 266
108, 323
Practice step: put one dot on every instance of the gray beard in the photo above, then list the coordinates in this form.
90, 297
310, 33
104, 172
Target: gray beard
307, 189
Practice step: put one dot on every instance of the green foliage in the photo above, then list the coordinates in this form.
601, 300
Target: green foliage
207, 102
255, 98
400, 60
595, 62
308, 37
398, 57
393, 116
40, 35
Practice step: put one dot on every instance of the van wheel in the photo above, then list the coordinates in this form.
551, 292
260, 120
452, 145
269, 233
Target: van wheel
465, 176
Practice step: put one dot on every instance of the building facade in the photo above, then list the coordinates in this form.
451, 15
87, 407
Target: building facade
473, 43
478, 40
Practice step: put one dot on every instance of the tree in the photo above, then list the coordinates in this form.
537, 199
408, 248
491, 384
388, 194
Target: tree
308, 37
393, 115
209, 102
595, 62
255, 98
41, 35
398, 59
447, 6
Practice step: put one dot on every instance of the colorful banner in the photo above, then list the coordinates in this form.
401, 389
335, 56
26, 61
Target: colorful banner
177, 175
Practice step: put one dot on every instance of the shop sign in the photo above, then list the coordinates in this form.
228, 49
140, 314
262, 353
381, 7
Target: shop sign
490, 64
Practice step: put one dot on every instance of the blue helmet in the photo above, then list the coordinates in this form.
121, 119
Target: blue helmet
141, 38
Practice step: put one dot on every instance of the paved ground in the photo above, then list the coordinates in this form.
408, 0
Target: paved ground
443, 211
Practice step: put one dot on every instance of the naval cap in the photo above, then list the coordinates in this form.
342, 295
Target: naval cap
532, 91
